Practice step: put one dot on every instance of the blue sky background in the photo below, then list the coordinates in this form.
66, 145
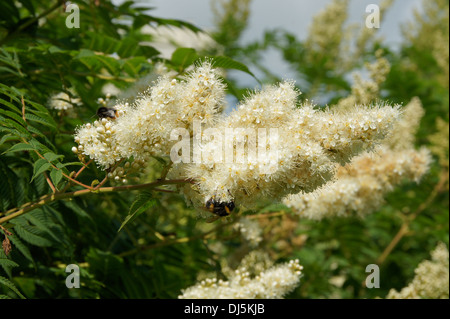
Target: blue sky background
292, 15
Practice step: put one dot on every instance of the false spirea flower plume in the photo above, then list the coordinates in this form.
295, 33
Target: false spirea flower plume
142, 129
360, 186
267, 148
431, 278
298, 150
271, 283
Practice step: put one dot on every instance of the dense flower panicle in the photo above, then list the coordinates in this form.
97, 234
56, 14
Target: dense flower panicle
168, 105
304, 153
143, 128
98, 140
295, 147
202, 98
272, 283
360, 187
345, 133
402, 136
431, 279
272, 105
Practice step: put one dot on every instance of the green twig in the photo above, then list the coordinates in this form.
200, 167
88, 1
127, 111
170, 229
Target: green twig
46, 199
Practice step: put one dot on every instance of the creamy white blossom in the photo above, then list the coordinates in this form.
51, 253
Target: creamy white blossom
272, 283
166, 106
309, 143
360, 186
143, 128
297, 147
431, 280
98, 140
402, 136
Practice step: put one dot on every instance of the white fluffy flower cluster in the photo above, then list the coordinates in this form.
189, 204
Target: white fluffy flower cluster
360, 186
272, 283
267, 148
431, 279
142, 129
298, 146
98, 140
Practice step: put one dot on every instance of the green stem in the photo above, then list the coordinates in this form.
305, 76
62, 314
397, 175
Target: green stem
58, 196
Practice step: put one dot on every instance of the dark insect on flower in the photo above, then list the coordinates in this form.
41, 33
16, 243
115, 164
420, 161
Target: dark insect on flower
106, 112
220, 209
